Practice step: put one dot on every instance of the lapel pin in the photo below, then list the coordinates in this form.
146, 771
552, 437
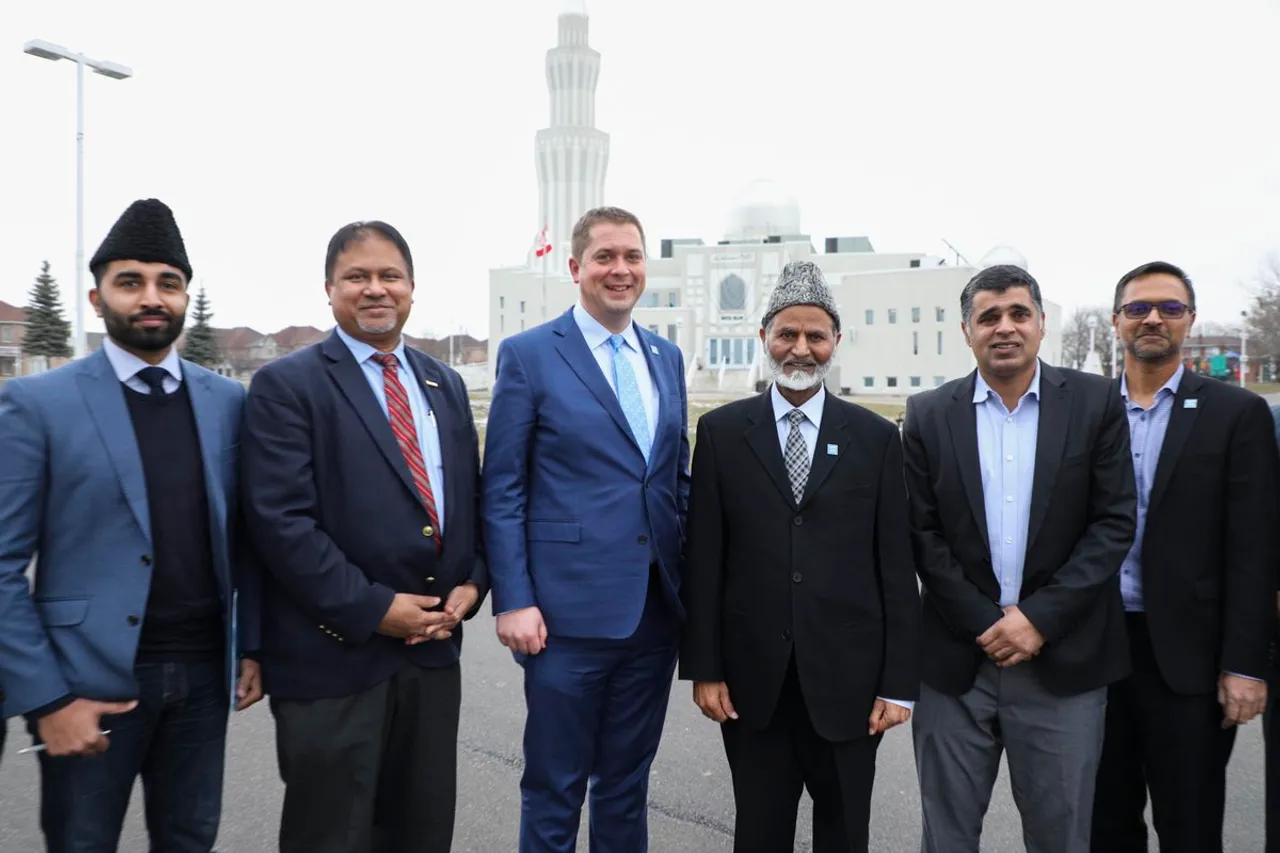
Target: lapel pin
832, 450
653, 349
1189, 403
430, 384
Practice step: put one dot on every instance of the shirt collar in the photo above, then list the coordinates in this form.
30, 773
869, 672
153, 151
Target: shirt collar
596, 334
1171, 385
127, 365
363, 352
981, 390
812, 407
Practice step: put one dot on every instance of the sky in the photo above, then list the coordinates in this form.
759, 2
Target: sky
1091, 136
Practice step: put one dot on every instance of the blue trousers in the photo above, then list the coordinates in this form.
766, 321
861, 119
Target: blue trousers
175, 738
595, 714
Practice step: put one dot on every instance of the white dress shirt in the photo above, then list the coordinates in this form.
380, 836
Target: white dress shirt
127, 365
597, 337
812, 408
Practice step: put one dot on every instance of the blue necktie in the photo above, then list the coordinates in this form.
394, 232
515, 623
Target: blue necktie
624, 381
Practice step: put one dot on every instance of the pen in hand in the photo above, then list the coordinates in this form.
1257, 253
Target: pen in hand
39, 747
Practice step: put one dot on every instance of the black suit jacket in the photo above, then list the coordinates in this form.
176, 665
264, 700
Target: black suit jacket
1082, 522
829, 580
1211, 541
340, 528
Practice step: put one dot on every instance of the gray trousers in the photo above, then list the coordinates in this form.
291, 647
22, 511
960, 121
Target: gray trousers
1053, 743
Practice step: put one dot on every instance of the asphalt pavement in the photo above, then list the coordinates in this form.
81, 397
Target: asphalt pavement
691, 802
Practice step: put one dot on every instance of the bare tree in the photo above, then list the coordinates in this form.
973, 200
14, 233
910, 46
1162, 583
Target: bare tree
1264, 313
1075, 337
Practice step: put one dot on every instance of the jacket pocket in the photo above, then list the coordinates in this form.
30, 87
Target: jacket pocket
62, 612
553, 531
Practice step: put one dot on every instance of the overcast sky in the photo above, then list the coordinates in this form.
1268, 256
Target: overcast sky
1092, 136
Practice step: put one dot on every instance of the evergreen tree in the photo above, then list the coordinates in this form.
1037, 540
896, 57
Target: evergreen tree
201, 345
48, 332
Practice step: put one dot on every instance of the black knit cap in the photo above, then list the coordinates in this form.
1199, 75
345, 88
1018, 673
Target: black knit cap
145, 232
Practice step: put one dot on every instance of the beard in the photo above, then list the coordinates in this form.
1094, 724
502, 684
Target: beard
801, 379
124, 329
1149, 352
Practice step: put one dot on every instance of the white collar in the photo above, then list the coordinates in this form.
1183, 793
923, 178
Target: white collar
981, 390
596, 334
812, 407
127, 365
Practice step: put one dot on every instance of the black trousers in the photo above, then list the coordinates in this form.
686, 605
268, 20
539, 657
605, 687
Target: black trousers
375, 772
772, 767
1165, 743
1271, 735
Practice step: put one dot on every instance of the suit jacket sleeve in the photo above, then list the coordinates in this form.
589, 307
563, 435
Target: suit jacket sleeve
684, 479
901, 598
1252, 543
248, 582
282, 510
1101, 549
964, 607
480, 568
28, 666
702, 589
508, 446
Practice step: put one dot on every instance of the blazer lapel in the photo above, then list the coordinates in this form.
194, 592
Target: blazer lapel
572, 347
209, 428
431, 382
762, 437
832, 432
1051, 440
104, 396
1181, 420
352, 383
660, 385
963, 419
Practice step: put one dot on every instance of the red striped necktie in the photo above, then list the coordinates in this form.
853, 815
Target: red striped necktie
407, 436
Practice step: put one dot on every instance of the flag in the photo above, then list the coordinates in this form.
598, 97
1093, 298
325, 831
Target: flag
541, 246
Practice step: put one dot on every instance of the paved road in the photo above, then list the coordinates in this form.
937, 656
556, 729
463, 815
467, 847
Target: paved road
691, 805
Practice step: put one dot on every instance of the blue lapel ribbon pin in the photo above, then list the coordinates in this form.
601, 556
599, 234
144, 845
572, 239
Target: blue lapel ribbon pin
653, 349
1190, 403
832, 450
430, 384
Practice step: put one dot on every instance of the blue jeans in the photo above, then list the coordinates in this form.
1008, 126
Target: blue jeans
175, 739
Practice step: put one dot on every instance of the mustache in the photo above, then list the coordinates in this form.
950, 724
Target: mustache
150, 313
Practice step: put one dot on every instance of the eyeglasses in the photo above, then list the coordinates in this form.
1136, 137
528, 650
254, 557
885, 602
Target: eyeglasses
1141, 310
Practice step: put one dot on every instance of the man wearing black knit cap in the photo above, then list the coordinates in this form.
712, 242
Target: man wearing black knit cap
120, 477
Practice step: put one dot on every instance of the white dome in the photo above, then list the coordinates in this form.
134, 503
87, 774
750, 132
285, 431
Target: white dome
762, 209
1004, 255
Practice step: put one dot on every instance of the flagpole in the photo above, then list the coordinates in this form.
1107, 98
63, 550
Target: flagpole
544, 284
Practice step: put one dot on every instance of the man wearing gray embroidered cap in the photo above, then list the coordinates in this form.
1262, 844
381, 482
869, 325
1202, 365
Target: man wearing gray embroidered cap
802, 623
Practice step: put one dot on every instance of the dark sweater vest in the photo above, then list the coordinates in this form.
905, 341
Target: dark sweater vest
184, 609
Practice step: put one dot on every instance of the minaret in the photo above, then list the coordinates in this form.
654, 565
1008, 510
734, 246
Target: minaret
571, 155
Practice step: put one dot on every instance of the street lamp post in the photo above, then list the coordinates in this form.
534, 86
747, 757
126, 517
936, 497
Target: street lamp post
46, 50
1244, 346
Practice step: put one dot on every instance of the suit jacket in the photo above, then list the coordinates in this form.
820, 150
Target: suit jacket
830, 580
1211, 541
1082, 522
73, 496
573, 516
339, 524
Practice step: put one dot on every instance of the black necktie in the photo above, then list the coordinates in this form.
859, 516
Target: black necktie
154, 377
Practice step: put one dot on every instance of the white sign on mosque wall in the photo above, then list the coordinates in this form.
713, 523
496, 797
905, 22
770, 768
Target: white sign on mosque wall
732, 258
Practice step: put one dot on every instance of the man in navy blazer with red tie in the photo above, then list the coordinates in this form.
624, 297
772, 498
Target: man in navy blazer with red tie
361, 475
585, 489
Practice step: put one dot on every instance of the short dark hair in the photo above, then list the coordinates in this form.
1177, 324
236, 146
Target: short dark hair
616, 215
354, 232
998, 279
1154, 268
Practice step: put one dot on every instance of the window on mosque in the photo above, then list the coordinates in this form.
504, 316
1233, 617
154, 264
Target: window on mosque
915, 343
673, 333
871, 317
915, 381
939, 343
915, 315
502, 302
731, 352
521, 306
868, 382
648, 299
893, 315
938, 380
673, 299
891, 381
941, 314
733, 294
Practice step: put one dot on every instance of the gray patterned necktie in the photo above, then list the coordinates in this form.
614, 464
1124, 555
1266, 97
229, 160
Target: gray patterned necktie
797, 455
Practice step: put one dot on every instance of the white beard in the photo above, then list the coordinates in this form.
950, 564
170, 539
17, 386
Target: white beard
798, 380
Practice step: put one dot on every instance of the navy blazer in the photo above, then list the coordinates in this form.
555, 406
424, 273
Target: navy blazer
339, 525
73, 495
573, 516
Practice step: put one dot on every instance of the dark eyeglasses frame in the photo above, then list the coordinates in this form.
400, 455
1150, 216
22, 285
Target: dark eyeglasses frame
1169, 309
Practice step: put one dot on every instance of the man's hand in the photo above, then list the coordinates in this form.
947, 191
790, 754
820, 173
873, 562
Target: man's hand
713, 698
1012, 640
523, 630
409, 615
886, 715
76, 729
1241, 699
249, 685
457, 605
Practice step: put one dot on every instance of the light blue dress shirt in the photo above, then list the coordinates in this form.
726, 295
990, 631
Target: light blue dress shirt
812, 408
1007, 458
597, 338
424, 419
127, 365
1147, 428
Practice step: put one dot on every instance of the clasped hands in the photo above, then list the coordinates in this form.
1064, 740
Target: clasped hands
1011, 640
411, 617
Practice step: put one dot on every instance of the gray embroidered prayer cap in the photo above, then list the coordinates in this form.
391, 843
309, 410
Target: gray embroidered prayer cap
801, 283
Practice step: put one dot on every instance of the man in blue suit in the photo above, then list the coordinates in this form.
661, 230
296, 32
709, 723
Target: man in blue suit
119, 479
361, 471
585, 488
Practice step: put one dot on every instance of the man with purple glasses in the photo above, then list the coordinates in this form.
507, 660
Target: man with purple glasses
1198, 583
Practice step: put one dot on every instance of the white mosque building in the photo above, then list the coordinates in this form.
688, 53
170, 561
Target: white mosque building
899, 312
